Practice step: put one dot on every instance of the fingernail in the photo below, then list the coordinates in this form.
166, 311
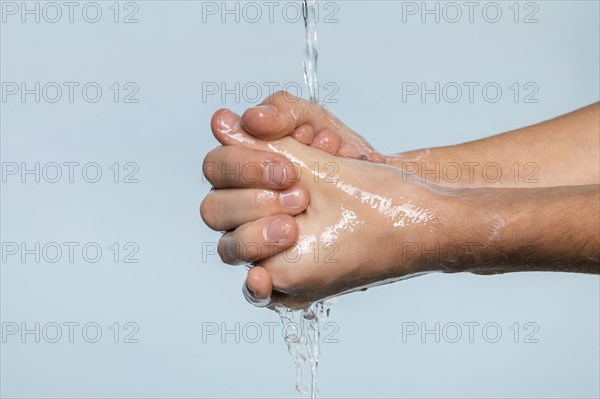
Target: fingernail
276, 173
290, 199
275, 231
266, 109
230, 123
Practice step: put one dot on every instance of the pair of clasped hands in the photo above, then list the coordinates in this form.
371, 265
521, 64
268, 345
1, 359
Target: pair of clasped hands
308, 202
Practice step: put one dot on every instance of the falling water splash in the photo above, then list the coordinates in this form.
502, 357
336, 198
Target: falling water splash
302, 339
311, 54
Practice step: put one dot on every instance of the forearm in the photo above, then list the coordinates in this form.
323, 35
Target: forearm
559, 152
510, 230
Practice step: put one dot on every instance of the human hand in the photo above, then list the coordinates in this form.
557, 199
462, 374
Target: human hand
283, 114
279, 115
348, 237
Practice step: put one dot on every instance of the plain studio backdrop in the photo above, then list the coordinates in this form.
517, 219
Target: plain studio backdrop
110, 284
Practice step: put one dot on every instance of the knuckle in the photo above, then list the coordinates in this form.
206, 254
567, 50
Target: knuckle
283, 95
277, 95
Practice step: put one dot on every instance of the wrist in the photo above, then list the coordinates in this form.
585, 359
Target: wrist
431, 165
437, 216
479, 230
469, 231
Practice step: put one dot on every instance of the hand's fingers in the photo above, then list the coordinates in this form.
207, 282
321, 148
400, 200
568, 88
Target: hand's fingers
377, 157
281, 114
227, 209
259, 286
227, 128
239, 167
258, 240
304, 134
328, 140
349, 151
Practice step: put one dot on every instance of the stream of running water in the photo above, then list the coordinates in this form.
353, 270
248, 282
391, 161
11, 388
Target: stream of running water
302, 336
311, 55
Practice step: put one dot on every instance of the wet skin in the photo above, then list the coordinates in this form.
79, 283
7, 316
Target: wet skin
339, 219
331, 241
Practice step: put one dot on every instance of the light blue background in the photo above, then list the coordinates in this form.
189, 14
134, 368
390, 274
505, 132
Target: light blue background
171, 292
